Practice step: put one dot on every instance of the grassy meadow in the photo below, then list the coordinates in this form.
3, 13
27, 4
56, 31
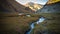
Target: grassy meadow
15, 24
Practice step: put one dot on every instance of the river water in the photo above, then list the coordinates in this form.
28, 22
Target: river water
41, 19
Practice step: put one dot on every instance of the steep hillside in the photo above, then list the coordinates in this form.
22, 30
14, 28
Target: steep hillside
33, 6
50, 8
6, 7
12, 7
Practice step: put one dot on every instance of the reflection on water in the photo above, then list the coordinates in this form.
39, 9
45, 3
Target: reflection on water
37, 22
32, 25
40, 20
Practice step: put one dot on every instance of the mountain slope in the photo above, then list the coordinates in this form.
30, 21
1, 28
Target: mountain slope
50, 8
33, 6
11, 7
52, 1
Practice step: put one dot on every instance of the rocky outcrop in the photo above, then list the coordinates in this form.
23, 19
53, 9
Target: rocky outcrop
50, 8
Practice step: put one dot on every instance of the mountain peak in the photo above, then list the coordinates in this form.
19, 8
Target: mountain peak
33, 6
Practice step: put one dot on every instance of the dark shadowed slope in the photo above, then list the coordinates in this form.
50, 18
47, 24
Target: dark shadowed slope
50, 8
11, 6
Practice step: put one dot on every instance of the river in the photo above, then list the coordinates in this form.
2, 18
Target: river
41, 19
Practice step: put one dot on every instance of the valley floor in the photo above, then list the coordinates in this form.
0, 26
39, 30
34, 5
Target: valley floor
15, 24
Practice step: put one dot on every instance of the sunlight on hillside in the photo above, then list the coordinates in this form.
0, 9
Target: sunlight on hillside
52, 1
35, 7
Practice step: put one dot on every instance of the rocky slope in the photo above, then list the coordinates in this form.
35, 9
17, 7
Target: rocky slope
50, 8
33, 6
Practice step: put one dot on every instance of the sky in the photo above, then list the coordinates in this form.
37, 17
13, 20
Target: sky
43, 2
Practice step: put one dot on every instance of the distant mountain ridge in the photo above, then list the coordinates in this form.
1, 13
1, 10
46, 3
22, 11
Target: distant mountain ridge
33, 6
